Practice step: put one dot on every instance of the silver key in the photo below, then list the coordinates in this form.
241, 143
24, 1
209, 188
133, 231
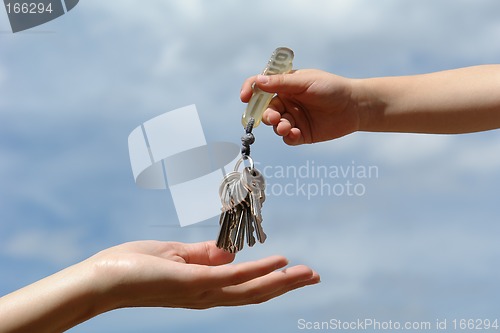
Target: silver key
255, 183
224, 229
238, 233
230, 197
250, 229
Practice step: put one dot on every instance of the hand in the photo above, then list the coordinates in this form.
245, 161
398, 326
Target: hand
310, 105
147, 273
170, 274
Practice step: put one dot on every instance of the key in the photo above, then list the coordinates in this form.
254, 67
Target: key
227, 217
233, 222
255, 183
224, 222
226, 189
238, 237
250, 229
239, 192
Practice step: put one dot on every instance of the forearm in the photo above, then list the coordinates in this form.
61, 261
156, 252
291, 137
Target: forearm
455, 101
53, 304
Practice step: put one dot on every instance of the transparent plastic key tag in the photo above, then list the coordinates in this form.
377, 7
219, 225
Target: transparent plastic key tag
280, 63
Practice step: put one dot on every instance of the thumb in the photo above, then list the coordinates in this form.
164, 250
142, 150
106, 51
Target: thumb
282, 83
207, 253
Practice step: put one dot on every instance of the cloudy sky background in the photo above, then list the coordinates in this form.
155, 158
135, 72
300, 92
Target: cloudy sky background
420, 244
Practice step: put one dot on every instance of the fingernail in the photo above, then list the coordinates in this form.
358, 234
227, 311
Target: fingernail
264, 79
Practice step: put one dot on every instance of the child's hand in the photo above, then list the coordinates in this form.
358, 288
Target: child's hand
310, 105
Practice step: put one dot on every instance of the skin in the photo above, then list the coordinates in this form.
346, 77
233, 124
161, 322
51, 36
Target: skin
148, 274
313, 106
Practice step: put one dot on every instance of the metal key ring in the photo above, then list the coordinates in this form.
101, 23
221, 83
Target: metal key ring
244, 157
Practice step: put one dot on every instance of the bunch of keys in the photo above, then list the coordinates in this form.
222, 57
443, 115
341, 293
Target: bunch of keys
242, 193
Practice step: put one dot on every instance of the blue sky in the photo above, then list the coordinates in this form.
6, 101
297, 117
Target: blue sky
421, 243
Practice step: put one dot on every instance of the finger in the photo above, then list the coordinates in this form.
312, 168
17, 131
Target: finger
285, 124
223, 276
286, 288
207, 253
315, 278
294, 137
291, 83
289, 118
275, 128
271, 117
246, 89
272, 114
283, 128
272, 285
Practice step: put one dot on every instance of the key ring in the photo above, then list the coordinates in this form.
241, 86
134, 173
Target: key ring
244, 157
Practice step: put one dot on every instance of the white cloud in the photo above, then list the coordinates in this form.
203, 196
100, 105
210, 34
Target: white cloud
389, 149
479, 156
405, 149
59, 247
171, 58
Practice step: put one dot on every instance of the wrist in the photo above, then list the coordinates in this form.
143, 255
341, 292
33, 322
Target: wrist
100, 284
85, 292
55, 303
370, 107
